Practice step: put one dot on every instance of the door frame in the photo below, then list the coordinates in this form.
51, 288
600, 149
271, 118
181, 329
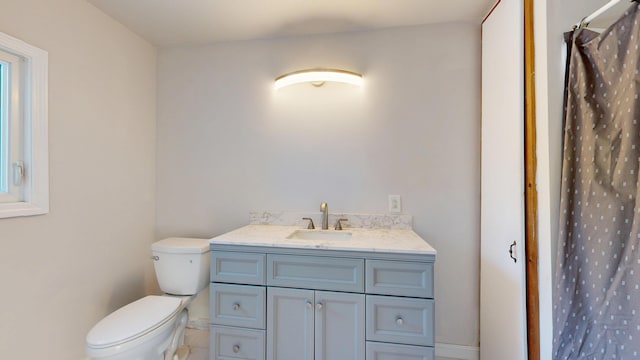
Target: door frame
531, 192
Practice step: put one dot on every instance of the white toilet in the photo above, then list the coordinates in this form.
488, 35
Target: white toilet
152, 328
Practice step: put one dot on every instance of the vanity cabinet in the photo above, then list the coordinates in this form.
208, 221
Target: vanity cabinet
283, 303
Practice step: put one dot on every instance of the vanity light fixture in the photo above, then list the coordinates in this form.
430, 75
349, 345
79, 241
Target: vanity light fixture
317, 77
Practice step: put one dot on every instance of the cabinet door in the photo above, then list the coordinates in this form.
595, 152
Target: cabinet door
339, 326
289, 324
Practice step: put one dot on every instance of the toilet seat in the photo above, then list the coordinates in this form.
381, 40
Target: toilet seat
134, 321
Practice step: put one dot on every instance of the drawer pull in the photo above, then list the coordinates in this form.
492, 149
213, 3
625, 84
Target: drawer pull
236, 348
319, 306
309, 304
399, 321
236, 307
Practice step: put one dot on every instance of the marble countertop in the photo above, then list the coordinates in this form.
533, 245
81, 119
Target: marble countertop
362, 239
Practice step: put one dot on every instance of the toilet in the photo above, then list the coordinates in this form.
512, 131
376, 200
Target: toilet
152, 328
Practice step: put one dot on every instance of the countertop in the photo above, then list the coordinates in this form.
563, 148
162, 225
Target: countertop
362, 239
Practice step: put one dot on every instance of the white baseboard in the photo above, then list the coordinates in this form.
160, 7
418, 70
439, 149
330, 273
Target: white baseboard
458, 352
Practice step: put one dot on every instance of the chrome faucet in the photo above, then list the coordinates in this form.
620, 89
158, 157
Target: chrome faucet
325, 215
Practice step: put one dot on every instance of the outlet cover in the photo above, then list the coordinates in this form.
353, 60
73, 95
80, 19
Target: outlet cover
395, 204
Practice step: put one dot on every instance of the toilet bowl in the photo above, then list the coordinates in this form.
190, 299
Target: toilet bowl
152, 328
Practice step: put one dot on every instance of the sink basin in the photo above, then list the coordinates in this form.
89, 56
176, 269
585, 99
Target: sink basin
327, 235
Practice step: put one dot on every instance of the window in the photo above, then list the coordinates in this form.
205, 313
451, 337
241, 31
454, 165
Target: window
10, 115
24, 178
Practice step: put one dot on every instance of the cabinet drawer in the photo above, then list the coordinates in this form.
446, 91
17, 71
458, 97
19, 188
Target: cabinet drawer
381, 351
236, 267
237, 305
231, 343
400, 320
314, 272
399, 278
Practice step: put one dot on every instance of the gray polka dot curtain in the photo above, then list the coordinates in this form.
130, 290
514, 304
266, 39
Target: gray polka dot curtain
597, 294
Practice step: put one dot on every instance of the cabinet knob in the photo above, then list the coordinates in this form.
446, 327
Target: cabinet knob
309, 304
236, 307
236, 348
319, 306
399, 320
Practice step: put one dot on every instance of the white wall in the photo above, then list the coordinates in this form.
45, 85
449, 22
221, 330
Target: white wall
227, 143
62, 272
553, 18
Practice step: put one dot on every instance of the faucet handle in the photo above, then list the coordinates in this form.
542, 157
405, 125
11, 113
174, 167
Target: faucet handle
310, 226
339, 224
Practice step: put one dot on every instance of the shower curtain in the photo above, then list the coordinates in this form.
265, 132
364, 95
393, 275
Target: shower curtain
597, 297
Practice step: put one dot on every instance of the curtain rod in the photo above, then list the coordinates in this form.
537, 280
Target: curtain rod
586, 20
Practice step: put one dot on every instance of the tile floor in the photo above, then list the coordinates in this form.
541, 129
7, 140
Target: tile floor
198, 342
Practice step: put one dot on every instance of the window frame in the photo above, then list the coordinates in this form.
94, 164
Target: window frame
4, 124
11, 131
32, 196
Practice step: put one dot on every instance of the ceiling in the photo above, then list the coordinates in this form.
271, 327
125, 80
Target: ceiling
175, 22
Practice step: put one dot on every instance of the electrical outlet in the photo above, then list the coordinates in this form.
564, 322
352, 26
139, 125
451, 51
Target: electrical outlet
395, 204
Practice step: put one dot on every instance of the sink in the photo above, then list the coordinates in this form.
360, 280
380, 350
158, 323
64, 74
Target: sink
327, 235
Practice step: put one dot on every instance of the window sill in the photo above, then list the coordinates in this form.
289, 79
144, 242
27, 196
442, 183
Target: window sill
16, 209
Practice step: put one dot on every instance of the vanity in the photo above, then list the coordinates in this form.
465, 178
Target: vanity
281, 292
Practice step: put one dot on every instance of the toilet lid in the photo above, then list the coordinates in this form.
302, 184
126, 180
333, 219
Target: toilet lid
181, 246
133, 320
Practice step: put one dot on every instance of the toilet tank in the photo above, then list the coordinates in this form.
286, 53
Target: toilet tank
181, 264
